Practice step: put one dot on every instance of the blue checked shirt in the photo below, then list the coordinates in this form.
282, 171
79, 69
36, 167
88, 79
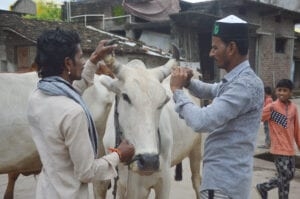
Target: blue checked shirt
232, 121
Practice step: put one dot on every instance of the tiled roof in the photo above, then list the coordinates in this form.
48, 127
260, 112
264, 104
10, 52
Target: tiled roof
30, 29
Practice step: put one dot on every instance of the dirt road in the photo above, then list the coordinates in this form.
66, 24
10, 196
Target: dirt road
263, 170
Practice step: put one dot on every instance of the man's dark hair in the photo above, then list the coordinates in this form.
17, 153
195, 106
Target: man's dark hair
242, 44
53, 46
285, 83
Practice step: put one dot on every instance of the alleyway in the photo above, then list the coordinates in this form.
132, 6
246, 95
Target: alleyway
263, 170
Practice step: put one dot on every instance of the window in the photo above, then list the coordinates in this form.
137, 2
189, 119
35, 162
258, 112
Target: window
280, 45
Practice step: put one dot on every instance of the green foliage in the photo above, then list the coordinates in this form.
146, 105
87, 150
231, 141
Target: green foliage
46, 11
118, 11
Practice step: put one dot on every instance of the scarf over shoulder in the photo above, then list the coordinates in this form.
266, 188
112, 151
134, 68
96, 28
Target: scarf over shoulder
56, 86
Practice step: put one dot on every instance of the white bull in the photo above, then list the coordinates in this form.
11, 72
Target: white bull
17, 149
143, 114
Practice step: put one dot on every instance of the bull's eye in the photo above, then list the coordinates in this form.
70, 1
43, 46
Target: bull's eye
126, 98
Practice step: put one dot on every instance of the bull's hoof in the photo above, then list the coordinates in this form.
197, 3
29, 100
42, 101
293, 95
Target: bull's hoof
178, 178
178, 172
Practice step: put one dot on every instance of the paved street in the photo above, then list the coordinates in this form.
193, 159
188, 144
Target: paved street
263, 170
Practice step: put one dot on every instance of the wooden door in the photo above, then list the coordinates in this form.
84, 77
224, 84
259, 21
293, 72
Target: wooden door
23, 57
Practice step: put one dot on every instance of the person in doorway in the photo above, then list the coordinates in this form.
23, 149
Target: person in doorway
268, 99
62, 127
283, 119
232, 119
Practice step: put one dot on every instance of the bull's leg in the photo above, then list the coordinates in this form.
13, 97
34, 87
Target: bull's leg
178, 172
121, 191
9, 192
195, 158
100, 189
12, 178
137, 186
139, 192
162, 188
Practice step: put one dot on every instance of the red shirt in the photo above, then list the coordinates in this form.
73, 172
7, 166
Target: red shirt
283, 126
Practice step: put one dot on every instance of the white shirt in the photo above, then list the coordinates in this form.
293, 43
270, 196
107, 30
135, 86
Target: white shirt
60, 132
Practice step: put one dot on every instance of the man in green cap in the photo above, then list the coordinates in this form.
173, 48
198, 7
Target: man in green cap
232, 119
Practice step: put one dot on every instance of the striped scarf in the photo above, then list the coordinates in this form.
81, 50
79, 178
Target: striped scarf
56, 86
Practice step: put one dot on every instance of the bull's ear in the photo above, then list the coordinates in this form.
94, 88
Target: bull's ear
110, 84
164, 71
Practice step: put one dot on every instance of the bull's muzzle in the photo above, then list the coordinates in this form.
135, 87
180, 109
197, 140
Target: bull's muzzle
147, 162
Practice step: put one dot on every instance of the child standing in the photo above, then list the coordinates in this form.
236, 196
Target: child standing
268, 99
284, 132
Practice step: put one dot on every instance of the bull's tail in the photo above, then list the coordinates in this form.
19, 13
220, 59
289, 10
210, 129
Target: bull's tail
178, 172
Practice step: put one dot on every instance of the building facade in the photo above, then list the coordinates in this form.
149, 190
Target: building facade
272, 36
18, 42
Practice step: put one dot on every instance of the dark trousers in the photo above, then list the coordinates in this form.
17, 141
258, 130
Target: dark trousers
285, 166
267, 134
213, 194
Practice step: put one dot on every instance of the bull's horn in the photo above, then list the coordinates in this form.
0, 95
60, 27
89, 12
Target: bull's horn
164, 71
112, 63
175, 52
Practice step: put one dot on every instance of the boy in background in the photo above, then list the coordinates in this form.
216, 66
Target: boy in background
284, 132
267, 100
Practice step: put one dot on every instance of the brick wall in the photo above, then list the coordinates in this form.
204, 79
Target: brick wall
273, 65
269, 65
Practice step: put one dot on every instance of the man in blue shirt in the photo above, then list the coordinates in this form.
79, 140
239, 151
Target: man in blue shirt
232, 119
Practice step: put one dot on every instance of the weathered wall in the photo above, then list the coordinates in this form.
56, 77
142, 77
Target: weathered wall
288, 4
18, 36
275, 65
25, 6
266, 62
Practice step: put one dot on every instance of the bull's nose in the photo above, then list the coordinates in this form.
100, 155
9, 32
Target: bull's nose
148, 162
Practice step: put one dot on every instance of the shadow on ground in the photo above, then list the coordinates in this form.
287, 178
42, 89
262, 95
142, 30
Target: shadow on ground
269, 157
